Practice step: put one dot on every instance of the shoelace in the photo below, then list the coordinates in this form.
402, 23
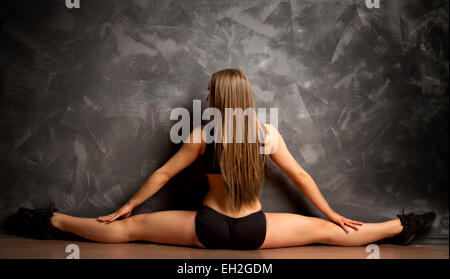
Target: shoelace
51, 207
401, 216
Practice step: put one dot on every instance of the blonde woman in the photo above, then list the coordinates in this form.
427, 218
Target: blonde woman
231, 216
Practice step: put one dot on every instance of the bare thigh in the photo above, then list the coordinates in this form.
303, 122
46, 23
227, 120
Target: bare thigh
288, 229
175, 227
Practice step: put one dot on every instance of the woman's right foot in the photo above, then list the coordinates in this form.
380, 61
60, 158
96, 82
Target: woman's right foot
412, 224
35, 223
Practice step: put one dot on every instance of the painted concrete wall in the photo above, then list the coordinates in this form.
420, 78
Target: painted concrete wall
86, 96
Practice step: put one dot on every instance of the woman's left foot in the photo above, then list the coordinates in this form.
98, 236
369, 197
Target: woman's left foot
412, 224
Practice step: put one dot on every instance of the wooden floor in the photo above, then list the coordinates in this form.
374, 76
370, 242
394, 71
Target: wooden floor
19, 248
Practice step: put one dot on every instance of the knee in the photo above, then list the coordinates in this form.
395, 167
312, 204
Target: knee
326, 231
129, 227
121, 230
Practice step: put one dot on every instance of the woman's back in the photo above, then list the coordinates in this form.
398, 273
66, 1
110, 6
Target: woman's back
216, 197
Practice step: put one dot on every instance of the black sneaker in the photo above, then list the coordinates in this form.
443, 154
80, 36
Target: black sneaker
427, 220
412, 224
34, 223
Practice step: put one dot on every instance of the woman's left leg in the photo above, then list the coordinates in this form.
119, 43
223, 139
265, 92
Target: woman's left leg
169, 227
289, 229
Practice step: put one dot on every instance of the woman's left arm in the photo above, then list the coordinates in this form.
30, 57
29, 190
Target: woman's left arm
304, 182
308, 187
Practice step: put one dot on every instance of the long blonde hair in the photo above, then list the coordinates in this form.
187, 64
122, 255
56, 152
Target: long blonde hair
241, 164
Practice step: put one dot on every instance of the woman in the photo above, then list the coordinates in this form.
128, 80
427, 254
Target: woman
231, 216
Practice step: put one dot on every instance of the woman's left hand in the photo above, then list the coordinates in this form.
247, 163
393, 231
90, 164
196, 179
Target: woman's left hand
124, 212
343, 222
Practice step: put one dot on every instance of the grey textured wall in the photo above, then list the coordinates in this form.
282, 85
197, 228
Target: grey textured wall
362, 94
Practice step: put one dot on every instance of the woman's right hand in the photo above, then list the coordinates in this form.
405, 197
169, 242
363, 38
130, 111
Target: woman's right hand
124, 212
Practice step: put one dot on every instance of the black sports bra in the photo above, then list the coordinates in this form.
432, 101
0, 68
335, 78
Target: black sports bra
212, 166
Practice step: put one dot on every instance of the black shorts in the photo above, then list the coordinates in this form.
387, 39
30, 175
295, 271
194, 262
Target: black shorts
218, 231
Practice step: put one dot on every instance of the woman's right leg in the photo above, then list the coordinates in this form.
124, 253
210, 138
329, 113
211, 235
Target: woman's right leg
288, 229
167, 227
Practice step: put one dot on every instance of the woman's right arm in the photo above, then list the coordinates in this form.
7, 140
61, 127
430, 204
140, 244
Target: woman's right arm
187, 154
152, 185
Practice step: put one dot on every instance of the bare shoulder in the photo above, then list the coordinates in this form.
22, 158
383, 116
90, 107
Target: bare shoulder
271, 130
200, 131
272, 138
195, 137
280, 154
